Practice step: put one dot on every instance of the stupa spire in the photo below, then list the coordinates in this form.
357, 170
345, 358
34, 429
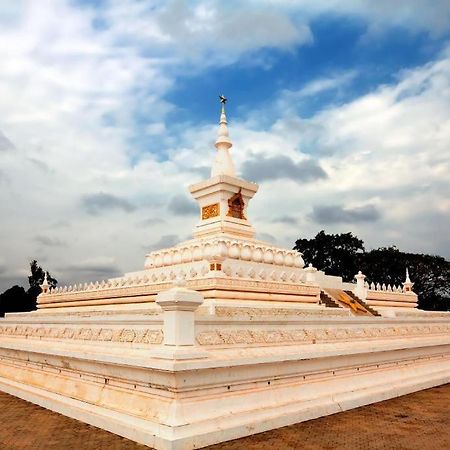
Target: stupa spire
45, 286
223, 164
407, 276
407, 284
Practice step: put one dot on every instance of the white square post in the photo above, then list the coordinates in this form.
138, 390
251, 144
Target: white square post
360, 290
179, 305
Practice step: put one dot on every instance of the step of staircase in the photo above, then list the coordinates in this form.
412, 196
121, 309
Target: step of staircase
327, 300
357, 299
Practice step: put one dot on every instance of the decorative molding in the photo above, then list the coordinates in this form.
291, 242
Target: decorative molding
224, 247
93, 313
236, 275
316, 335
143, 336
226, 311
254, 286
210, 211
417, 313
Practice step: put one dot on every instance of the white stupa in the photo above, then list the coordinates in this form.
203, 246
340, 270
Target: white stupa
220, 336
225, 262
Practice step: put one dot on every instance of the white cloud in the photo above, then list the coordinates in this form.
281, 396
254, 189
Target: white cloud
203, 33
386, 155
73, 79
68, 93
334, 82
388, 149
413, 15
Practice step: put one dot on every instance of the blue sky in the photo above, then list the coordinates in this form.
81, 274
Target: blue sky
338, 46
340, 110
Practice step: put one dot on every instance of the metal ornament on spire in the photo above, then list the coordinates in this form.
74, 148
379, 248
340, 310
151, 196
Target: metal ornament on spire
223, 164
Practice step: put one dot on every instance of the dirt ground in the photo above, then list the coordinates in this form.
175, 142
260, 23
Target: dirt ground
417, 421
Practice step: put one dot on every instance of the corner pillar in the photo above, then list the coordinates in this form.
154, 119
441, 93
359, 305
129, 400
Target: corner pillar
179, 305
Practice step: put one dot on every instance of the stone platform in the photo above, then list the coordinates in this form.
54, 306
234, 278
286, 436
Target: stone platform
230, 372
414, 422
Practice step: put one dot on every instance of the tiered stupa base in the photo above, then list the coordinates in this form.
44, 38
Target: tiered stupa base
221, 267
256, 368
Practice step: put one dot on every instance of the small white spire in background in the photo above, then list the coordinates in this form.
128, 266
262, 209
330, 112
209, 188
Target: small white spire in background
407, 276
45, 286
407, 284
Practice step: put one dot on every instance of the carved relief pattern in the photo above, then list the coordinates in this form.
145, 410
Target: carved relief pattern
427, 314
163, 279
226, 311
253, 285
87, 334
210, 211
316, 335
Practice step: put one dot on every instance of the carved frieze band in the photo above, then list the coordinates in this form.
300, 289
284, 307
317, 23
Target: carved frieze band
86, 334
256, 285
317, 335
226, 311
417, 313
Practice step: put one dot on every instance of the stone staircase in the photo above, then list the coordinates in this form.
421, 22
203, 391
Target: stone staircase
364, 304
358, 306
327, 300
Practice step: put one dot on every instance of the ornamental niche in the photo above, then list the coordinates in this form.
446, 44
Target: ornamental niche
236, 206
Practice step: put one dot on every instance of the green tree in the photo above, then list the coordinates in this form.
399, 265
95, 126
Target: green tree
16, 299
336, 254
430, 274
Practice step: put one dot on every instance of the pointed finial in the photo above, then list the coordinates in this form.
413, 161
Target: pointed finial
407, 276
223, 165
44, 286
223, 140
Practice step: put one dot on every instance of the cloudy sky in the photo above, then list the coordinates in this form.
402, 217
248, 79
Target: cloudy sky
340, 110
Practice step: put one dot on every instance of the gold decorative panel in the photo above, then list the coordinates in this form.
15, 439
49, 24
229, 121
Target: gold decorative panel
210, 211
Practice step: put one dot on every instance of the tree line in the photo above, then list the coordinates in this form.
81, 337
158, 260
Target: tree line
344, 255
